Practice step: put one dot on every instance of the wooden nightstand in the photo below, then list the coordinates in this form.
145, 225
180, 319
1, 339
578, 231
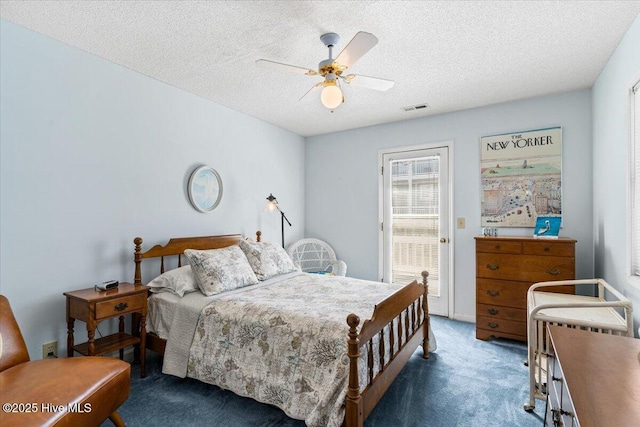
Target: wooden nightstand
92, 307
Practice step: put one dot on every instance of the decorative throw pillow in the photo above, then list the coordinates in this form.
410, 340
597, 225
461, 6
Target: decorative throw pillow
219, 270
267, 260
179, 281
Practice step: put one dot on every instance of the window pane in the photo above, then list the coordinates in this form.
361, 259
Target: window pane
416, 217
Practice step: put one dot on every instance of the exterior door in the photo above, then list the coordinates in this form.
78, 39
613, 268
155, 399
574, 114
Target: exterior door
415, 220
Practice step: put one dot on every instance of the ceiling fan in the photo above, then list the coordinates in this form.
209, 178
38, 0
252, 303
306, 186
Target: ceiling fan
332, 69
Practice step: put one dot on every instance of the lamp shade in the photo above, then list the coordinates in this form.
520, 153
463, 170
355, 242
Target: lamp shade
272, 204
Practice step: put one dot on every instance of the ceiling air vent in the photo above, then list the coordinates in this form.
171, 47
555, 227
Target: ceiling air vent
416, 107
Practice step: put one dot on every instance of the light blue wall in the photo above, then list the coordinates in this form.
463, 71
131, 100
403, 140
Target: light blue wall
342, 181
610, 166
93, 155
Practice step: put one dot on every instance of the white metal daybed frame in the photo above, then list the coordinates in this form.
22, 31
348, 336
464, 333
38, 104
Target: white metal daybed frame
573, 311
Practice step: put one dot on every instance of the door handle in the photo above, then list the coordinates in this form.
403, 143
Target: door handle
443, 240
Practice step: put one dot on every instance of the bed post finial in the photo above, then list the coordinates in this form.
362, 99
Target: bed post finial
354, 406
259, 236
425, 310
137, 258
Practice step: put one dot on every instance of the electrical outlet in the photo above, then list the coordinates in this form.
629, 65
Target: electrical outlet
461, 223
50, 349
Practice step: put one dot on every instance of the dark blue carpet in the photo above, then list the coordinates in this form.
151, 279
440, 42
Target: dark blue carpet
466, 382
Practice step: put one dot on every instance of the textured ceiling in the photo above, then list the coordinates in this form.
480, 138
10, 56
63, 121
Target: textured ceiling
450, 55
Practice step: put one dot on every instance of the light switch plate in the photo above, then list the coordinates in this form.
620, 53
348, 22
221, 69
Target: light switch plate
461, 223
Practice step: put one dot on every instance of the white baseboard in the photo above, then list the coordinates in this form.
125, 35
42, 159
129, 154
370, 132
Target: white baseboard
464, 318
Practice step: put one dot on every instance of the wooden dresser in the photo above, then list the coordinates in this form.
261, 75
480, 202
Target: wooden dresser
595, 379
505, 269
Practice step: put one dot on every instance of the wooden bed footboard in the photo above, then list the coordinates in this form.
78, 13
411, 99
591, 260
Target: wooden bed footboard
407, 314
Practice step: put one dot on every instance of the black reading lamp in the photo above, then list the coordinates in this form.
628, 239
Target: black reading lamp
273, 205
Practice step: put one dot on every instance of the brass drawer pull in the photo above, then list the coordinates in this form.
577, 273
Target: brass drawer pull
493, 311
121, 306
497, 247
493, 325
493, 293
547, 249
493, 266
554, 271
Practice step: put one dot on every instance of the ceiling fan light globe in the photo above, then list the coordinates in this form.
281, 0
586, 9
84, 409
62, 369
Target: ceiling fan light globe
331, 97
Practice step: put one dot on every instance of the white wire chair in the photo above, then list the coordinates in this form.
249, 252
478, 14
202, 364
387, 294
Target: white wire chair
316, 256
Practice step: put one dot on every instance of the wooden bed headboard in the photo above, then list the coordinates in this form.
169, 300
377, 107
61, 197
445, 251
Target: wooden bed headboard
177, 246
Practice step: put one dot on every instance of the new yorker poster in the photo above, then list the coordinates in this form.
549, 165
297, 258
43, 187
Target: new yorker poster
521, 177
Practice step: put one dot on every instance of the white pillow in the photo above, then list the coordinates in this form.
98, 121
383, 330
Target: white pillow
179, 281
219, 270
267, 260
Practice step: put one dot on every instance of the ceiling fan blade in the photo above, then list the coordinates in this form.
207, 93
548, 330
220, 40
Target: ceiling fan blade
312, 90
285, 67
360, 44
374, 83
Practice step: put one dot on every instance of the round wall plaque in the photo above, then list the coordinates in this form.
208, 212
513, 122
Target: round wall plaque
205, 189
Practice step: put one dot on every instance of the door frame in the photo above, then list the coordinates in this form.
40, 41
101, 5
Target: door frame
449, 144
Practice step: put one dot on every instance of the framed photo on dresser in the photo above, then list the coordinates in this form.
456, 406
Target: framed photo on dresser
547, 227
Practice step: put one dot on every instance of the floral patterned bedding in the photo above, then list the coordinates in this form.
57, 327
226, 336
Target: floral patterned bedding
285, 344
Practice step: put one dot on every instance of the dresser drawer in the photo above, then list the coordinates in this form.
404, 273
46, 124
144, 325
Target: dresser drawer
529, 268
548, 248
501, 325
120, 305
501, 293
501, 312
499, 246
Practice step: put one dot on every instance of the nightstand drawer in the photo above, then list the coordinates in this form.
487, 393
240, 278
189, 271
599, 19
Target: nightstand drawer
121, 305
